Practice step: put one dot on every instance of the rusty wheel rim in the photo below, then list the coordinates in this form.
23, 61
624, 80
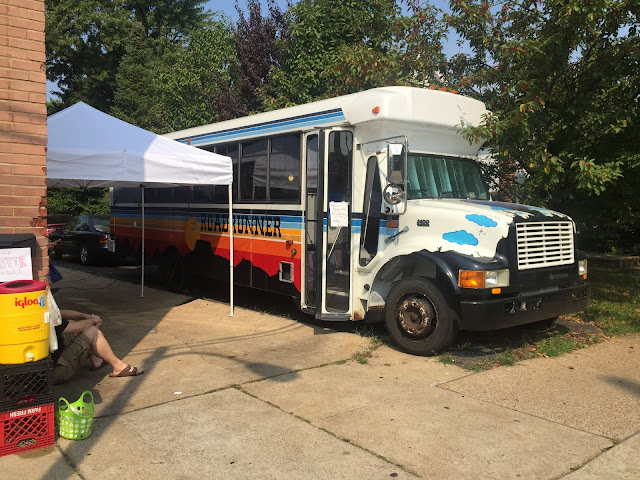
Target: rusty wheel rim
417, 317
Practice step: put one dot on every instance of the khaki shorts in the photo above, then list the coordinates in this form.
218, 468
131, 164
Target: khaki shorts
77, 349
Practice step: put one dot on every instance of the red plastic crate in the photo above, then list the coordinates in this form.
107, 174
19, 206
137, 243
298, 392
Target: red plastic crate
26, 385
27, 429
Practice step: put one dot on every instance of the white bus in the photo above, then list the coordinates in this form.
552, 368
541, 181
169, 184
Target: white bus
369, 206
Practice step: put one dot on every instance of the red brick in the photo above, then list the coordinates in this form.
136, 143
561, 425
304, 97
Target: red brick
40, 109
38, 36
28, 170
29, 128
14, 32
39, 95
38, 118
38, 262
24, 64
6, 211
15, 221
21, 180
5, 190
6, 169
39, 77
24, 44
14, 201
18, 12
28, 149
22, 85
37, 16
17, 55
37, 55
19, 160
15, 96
40, 160
25, 23
26, 212
29, 4
31, 191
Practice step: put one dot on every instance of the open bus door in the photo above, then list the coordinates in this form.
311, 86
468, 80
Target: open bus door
329, 155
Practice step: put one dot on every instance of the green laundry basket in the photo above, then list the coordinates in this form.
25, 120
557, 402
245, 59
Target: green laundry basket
75, 419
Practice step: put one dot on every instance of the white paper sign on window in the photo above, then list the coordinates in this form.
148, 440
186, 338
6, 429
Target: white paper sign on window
15, 264
339, 214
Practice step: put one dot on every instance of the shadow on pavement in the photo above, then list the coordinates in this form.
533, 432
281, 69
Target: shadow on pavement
98, 289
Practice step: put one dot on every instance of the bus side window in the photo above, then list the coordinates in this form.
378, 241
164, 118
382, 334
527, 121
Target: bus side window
371, 211
253, 170
284, 168
222, 191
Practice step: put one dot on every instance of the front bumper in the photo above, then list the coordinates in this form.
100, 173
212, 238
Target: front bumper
528, 307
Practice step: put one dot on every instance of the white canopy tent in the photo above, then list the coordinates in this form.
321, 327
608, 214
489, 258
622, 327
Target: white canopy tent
88, 148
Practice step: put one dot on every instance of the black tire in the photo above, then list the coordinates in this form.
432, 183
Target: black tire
173, 272
86, 258
54, 254
418, 317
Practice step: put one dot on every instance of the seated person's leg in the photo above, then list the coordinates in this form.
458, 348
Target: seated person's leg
74, 356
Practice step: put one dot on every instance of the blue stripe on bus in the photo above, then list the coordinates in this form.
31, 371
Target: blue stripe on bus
262, 129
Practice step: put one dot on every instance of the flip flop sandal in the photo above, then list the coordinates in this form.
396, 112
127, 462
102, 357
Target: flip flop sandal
128, 371
103, 364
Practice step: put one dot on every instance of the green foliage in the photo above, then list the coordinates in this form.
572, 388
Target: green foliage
321, 35
559, 76
76, 201
188, 82
87, 39
561, 79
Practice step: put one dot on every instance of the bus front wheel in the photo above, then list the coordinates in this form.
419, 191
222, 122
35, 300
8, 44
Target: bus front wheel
418, 317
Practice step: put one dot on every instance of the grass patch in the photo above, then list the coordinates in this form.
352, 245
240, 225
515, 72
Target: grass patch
614, 310
447, 359
363, 356
615, 304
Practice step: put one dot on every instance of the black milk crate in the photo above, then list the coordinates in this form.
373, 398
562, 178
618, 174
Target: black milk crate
26, 384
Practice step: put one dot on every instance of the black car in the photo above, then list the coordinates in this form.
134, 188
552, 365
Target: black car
54, 222
84, 236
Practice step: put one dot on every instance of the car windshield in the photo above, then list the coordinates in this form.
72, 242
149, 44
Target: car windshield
101, 224
431, 176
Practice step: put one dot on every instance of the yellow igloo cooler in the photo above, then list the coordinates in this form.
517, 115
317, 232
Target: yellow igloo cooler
24, 326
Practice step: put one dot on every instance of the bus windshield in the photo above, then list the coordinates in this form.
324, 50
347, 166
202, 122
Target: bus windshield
432, 176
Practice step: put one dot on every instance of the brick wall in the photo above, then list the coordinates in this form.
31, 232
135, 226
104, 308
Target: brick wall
23, 124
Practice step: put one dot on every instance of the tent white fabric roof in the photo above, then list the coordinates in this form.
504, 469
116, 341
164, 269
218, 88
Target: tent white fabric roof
88, 148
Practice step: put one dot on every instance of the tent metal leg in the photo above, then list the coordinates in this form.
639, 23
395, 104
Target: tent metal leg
230, 251
142, 246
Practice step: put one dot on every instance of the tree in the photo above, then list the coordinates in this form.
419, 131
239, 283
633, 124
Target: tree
87, 39
77, 201
320, 31
562, 79
184, 85
255, 38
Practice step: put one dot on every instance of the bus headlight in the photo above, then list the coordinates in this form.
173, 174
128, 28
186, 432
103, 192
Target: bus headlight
483, 278
582, 269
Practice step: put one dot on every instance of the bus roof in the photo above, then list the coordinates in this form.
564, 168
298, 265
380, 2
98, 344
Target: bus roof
430, 108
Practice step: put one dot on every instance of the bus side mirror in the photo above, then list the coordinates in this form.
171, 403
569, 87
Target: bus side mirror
395, 156
393, 193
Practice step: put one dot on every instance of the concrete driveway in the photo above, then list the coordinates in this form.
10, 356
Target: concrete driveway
263, 396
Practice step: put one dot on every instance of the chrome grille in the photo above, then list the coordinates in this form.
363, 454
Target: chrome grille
544, 244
